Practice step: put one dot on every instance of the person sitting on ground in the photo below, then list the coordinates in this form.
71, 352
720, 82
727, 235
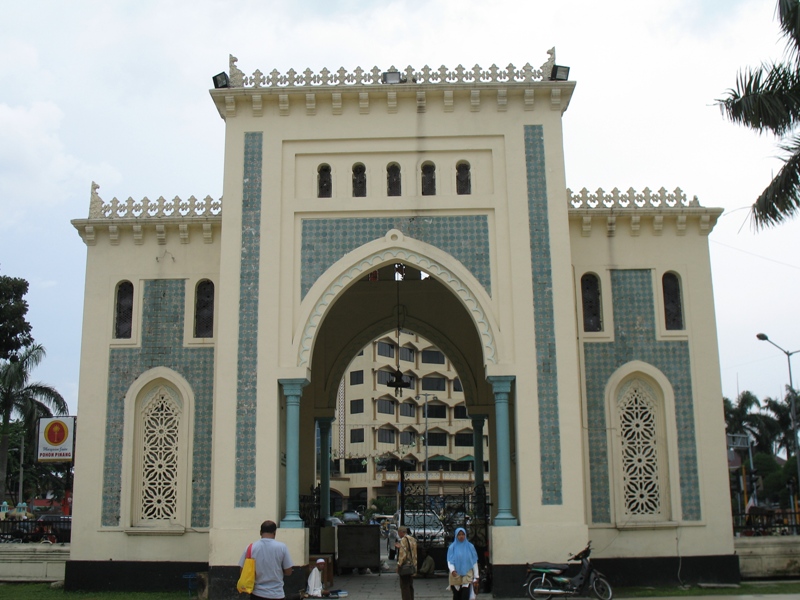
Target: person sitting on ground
314, 588
428, 566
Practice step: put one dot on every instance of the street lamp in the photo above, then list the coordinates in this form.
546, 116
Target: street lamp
426, 438
763, 337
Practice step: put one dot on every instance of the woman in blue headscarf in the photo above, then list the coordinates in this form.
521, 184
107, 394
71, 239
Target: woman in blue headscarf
462, 562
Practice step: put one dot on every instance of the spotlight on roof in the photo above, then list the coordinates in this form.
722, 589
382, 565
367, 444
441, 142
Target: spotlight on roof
559, 73
221, 80
391, 77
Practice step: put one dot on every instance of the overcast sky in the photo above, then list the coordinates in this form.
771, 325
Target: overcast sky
117, 92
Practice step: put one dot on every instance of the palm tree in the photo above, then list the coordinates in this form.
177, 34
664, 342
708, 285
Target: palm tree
29, 401
782, 411
767, 99
746, 417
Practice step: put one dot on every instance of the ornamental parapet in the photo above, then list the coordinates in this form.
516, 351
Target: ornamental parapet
630, 199
119, 219
661, 210
360, 77
146, 208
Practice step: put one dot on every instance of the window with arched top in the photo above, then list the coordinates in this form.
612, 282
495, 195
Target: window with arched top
204, 309
359, 181
463, 179
673, 301
641, 453
123, 311
160, 466
324, 182
428, 179
393, 185
590, 298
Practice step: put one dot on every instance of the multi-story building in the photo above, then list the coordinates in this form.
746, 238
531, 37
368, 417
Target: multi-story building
375, 429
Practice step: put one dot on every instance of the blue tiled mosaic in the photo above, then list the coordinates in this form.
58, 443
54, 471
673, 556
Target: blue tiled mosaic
162, 346
544, 324
245, 491
635, 339
466, 237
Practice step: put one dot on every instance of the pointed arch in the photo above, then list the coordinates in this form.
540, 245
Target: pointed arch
396, 247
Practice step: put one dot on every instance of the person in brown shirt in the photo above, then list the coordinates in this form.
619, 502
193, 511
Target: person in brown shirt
407, 554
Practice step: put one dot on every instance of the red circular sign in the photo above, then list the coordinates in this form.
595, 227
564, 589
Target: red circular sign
55, 433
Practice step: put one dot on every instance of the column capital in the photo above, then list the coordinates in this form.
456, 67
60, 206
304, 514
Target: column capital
501, 384
293, 387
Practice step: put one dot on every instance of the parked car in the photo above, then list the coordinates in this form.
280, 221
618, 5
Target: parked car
425, 526
54, 528
351, 516
333, 522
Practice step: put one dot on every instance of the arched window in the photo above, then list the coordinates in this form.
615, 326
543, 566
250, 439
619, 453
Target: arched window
641, 454
463, 179
123, 311
324, 184
359, 181
204, 310
393, 187
592, 309
673, 303
159, 462
428, 179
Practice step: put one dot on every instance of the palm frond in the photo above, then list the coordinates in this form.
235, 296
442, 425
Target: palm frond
781, 198
765, 99
789, 18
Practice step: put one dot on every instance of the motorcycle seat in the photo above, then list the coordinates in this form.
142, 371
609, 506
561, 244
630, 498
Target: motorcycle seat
550, 566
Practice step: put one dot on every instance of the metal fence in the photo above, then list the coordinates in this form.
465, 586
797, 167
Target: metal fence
761, 521
53, 531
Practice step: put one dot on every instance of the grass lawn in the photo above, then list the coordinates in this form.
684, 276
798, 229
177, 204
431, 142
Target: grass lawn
42, 591
747, 588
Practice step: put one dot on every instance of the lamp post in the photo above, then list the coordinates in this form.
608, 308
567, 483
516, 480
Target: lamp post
426, 439
763, 337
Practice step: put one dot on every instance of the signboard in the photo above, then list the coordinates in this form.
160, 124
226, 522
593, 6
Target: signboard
56, 439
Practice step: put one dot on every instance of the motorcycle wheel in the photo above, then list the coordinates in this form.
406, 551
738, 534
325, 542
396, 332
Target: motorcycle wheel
602, 589
541, 583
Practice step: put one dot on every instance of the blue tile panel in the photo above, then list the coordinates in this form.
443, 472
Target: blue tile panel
544, 324
635, 339
466, 237
163, 308
246, 382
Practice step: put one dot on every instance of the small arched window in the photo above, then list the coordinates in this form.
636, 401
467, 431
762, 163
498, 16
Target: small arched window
123, 311
393, 180
428, 179
590, 297
359, 181
324, 185
673, 303
463, 179
204, 310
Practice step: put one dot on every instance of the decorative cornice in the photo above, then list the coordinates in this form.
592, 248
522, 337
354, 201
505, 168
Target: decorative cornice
359, 77
611, 208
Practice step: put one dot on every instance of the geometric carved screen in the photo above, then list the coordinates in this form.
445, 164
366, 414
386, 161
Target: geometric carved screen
638, 427
159, 442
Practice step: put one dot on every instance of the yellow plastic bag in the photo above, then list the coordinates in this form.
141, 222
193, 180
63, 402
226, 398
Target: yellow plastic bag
247, 580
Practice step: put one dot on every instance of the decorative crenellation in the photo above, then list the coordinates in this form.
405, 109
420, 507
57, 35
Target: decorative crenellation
358, 77
630, 199
145, 208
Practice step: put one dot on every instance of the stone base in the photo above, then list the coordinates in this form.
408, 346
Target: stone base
129, 576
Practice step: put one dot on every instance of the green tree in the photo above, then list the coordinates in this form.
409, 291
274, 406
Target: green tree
15, 331
28, 401
767, 99
782, 413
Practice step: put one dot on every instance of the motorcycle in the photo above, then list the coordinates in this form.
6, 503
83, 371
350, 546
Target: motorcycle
577, 577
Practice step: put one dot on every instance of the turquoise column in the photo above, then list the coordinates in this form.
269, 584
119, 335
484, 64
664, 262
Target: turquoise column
325, 466
477, 447
292, 389
501, 386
